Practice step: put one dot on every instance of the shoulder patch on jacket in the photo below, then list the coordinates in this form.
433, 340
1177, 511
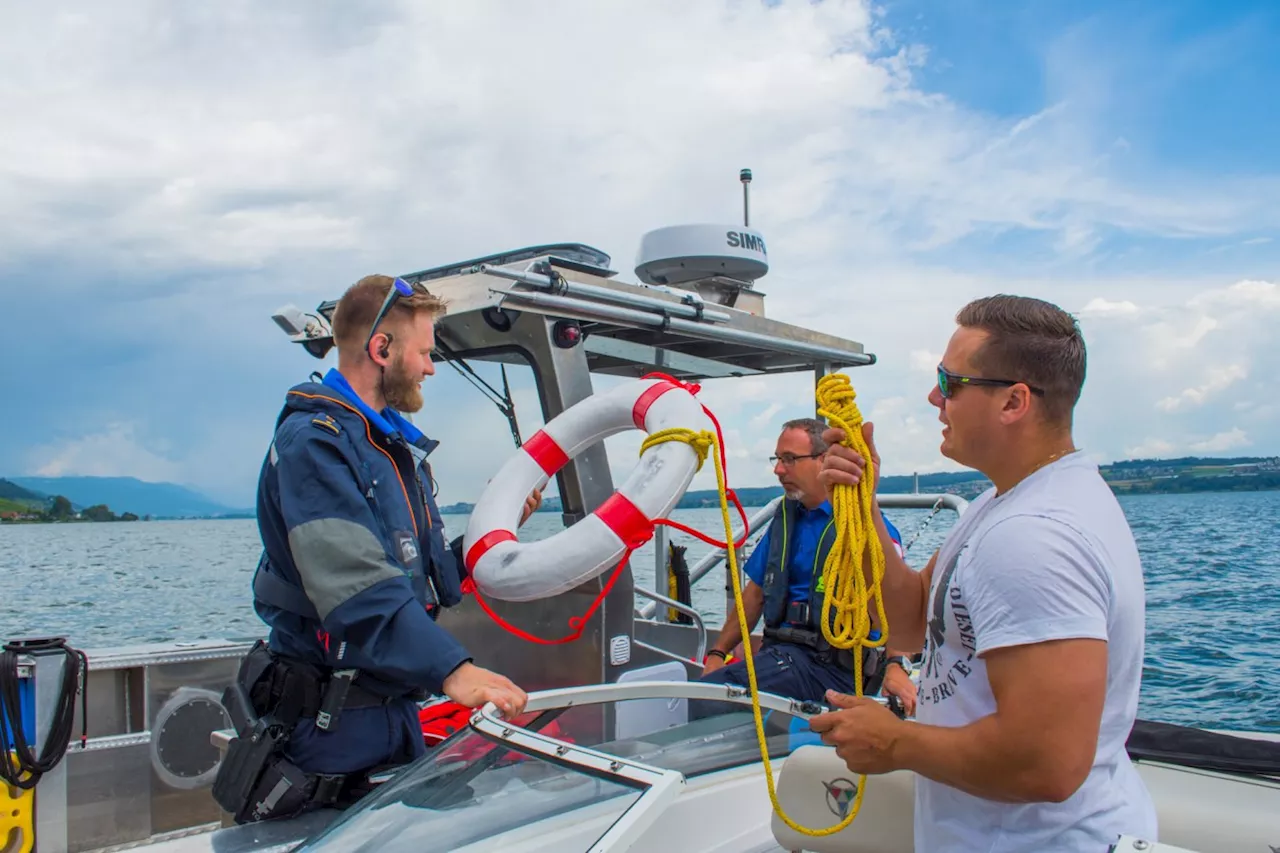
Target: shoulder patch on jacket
326, 421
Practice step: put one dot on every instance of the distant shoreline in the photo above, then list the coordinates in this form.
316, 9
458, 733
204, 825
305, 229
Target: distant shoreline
94, 497
710, 499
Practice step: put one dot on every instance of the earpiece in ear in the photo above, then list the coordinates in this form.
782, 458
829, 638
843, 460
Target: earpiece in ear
385, 352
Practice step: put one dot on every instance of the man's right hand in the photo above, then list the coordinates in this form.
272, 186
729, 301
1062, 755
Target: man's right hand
845, 467
472, 686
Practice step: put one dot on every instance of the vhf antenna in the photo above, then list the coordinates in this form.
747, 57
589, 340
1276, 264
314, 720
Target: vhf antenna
745, 177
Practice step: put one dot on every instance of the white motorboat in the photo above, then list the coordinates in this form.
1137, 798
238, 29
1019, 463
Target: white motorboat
606, 759
661, 782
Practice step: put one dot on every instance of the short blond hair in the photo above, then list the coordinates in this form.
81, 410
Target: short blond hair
358, 307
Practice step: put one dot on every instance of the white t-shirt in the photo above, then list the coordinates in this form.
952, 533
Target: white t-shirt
1053, 558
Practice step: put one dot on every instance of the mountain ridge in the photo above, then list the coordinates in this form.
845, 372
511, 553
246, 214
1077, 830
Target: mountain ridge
170, 500
130, 494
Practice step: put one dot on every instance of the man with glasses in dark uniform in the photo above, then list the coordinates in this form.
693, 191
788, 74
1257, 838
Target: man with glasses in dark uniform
784, 585
354, 571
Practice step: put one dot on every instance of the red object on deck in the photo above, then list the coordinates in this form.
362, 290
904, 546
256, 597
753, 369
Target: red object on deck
443, 719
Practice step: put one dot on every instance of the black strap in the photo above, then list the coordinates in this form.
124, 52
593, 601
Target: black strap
273, 590
795, 636
819, 645
299, 690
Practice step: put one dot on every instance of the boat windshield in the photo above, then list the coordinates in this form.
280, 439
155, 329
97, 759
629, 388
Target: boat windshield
486, 790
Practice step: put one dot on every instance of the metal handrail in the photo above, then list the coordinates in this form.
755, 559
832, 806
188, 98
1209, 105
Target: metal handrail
701, 647
590, 694
658, 650
721, 334
712, 559
689, 308
923, 501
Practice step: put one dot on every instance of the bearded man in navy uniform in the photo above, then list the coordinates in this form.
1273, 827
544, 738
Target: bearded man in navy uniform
354, 571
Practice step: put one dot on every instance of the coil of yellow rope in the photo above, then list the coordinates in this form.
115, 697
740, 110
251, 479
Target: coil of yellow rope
846, 589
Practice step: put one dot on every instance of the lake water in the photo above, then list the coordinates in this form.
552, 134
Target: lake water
1212, 564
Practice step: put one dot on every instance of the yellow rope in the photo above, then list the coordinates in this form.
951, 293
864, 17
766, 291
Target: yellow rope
845, 584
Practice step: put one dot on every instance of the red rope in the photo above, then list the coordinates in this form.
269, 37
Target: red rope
579, 623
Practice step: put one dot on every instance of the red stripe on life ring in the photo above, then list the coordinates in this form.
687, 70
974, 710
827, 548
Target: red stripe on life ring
647, 399
544, 450
487, 541
626, 520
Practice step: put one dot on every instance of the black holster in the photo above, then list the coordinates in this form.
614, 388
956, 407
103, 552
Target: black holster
269, 696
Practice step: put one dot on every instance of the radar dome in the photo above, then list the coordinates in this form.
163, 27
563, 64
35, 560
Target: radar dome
681, 254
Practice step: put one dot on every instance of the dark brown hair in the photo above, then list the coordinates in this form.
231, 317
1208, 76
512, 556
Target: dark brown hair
1032, 341
359, 305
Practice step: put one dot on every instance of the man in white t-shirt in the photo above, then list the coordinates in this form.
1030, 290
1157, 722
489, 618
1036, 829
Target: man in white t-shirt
1030, 614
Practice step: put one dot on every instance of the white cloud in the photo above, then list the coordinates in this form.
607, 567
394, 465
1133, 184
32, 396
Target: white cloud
294, 148
1100, 307
925, 361
1152, 448
768, 417
115, 451
1219, 378
1232, 439
1246, 295
213, 135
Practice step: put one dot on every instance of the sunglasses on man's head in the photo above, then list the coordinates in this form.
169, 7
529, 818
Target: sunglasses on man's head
948, 382
400, 288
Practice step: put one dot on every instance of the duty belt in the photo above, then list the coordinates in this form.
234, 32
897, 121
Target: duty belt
298, 690
823, 650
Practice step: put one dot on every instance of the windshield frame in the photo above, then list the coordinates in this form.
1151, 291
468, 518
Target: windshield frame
591, 694
657, 787
663, 785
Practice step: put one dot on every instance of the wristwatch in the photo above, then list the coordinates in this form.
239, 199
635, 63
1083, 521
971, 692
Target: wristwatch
902, 661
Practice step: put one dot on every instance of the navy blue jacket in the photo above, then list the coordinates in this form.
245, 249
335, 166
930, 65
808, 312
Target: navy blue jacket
347, 517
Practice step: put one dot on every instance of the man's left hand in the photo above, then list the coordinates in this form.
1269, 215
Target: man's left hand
863, 732
531, 505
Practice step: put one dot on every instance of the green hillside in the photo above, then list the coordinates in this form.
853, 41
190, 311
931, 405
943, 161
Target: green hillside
7, 505
10, 491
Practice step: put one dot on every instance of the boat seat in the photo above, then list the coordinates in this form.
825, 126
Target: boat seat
816, 789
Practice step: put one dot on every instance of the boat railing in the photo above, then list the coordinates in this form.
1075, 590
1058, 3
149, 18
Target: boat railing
756, 522
694, 615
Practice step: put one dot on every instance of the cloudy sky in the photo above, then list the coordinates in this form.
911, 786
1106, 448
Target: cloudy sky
170, 174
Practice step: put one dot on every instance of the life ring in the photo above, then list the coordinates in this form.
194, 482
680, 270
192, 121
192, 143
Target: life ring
503, 567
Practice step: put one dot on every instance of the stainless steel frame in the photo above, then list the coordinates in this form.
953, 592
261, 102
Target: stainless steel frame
700, 651
149, 714
591, 694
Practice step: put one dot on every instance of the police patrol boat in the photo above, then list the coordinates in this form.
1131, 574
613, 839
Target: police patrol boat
607, 756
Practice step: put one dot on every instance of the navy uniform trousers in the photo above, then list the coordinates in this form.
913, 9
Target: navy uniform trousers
784, 669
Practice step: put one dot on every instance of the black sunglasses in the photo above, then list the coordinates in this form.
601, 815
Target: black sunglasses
400, 288
946, 380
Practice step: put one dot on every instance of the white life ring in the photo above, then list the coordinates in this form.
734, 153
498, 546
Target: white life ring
503, 567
